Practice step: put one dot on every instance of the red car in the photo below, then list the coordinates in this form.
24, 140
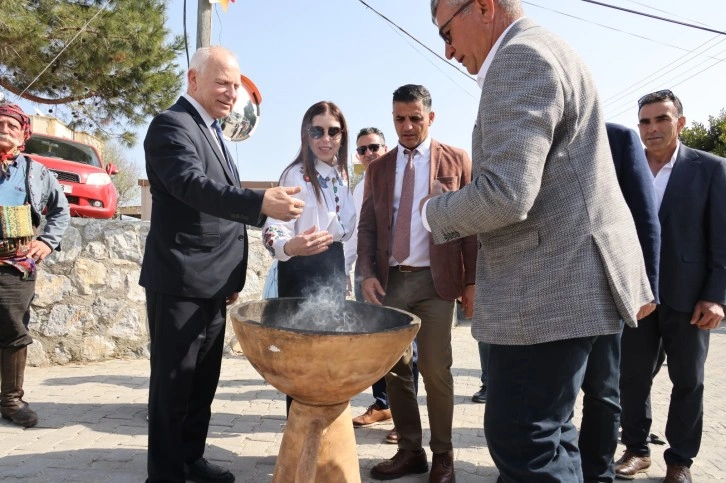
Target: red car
80, 171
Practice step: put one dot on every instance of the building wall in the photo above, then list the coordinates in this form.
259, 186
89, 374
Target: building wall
89, 305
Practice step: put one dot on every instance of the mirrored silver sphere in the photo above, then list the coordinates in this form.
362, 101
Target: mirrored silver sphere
245, 115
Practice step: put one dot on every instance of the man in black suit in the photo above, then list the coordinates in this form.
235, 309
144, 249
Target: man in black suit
690, 188
601, 410
195, 262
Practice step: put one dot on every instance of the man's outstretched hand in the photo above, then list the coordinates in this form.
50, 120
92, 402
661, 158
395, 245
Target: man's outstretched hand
279, 204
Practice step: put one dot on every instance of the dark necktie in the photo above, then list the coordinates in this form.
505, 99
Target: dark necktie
220, 138
402, 232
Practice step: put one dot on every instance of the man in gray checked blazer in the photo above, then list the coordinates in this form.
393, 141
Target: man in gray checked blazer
559, 262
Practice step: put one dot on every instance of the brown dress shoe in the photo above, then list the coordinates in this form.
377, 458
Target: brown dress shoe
630, 464
403, 463
442, 468
678, 474
374, 414
392, 436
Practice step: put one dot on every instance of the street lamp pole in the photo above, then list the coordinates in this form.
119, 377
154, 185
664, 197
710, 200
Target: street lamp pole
204, 23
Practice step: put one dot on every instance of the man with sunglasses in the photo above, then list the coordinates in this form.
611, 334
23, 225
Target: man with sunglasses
370, 145
559, 263
690, 189
402, 268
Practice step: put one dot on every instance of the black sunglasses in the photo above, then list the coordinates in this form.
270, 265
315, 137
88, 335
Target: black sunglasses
372, 147
447, 35
656, 96
316, 132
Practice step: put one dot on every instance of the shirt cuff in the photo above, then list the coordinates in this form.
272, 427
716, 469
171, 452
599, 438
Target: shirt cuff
424, 221
279, 246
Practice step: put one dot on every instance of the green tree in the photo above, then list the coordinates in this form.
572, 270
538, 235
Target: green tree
106, 77
711, 139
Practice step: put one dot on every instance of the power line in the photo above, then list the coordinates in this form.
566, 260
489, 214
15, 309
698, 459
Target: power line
607, 26
619, 95
83, 29
707, 29
623, 111
416, 40
432, 63
665, 11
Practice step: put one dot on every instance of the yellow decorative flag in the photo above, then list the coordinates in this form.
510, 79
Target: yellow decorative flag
224, 3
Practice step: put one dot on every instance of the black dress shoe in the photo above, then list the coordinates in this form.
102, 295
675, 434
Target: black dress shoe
202, 471
480, 396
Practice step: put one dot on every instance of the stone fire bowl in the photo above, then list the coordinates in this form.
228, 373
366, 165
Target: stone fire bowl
321, 359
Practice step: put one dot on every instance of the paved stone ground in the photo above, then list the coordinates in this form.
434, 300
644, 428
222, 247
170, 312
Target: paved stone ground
93, 426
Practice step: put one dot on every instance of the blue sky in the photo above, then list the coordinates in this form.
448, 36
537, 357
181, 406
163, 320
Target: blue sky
301, 52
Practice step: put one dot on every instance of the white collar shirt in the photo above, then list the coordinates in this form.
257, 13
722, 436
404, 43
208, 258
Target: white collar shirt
660, 180
336, 217
419, 251
208, 120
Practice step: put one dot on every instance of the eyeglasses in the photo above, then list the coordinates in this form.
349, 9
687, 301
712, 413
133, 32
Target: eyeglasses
316, 132
447, 35
665, 94
372, 147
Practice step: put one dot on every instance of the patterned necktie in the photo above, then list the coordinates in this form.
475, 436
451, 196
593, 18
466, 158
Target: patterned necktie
402, 232
220, 138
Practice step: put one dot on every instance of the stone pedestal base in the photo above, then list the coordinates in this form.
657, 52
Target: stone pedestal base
318, 446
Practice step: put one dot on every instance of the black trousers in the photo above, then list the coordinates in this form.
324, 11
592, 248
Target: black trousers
15, 297
187, 341
686, 347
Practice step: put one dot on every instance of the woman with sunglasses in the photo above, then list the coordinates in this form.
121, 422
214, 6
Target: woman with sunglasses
309, 249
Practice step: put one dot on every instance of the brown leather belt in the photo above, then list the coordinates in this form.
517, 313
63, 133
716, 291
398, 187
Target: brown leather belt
408, 268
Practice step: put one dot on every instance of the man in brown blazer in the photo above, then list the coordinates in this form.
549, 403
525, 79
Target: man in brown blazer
402, 268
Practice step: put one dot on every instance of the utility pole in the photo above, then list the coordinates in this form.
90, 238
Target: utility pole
204, 24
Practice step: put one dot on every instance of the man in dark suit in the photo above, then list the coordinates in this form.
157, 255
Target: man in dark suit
598, 437
195, 262
690, 188
402, 268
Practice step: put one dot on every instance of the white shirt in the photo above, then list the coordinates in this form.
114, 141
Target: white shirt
319, 214
660, 180
350, 247
419, 251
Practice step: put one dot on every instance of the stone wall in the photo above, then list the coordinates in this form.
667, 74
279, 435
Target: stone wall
89, 305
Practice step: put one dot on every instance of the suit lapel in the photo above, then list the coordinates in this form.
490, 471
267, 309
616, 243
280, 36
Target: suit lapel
208, 135
687, 163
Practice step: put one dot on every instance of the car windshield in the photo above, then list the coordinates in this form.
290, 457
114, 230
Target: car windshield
62, 149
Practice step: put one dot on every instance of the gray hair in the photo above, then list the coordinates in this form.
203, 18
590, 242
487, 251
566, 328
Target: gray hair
201, 57
513, 8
